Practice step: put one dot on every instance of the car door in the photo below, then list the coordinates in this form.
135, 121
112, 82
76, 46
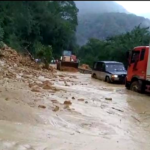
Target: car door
103, 73
137, 64
95, 69
99, 66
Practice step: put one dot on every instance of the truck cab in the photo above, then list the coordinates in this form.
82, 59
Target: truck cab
138, 72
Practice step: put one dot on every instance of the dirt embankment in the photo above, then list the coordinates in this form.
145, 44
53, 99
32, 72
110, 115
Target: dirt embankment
85, 66
21, 79
24, 86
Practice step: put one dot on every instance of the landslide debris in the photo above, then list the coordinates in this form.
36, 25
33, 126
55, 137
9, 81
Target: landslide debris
85, 66
14, 65
25, 83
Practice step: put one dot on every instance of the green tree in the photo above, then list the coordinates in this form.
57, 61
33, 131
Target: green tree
114, 48
45, 54
49, 22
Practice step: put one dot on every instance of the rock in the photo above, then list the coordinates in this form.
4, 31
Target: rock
32, 85
86, 102
56, 108
61, 75
85, 66
66, 83
67, 103
73, 98
39, 83
47, 85
54, 101
41, 65
41, 78
81, 99
47, 82
35, 89
42, 106
27, 76
66, 107
7, 99
109, 99
15, 65
18, 77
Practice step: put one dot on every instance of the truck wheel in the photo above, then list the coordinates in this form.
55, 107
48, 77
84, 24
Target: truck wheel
136, 86
108, 80
127, 85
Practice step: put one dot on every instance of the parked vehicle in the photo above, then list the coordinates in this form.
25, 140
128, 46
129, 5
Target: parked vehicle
138, 73
109, 71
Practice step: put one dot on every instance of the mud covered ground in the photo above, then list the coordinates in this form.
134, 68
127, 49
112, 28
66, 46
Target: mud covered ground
71, 111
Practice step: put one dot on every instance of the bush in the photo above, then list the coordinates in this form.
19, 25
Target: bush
45, 54
1, 33
1, 44
14, 42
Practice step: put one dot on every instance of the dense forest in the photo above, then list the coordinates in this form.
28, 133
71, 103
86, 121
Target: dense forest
114, 48
46, 28
34, 24
106, 25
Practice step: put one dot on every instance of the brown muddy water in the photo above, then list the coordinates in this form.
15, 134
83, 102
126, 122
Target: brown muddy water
101, 116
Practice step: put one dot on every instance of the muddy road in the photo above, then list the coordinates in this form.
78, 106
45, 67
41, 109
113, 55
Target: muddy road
95, 116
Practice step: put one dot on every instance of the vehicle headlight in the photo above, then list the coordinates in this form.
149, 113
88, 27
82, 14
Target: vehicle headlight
114, 76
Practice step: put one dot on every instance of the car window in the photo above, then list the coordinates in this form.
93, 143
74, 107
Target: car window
135, 56
115, 67
103, 67
99, 64
142, 54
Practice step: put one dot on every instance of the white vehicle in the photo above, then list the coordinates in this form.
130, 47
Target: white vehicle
109, 71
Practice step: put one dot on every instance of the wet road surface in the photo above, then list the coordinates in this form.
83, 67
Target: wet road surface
101, 116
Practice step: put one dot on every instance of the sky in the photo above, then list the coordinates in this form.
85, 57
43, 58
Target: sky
136, 7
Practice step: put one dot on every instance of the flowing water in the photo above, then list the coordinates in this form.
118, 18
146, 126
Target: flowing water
102, 117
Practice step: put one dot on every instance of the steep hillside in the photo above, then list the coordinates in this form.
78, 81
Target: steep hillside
88, 7
107, 24
104, 19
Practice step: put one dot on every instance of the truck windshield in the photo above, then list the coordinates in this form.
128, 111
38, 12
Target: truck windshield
66, 53
115, 67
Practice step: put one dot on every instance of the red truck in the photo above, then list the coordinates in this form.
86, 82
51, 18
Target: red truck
138, 72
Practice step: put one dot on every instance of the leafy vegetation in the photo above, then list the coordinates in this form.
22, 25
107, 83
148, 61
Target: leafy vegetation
47, 28
103, 19
45, 54
102, 26
114, 48
23, 24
